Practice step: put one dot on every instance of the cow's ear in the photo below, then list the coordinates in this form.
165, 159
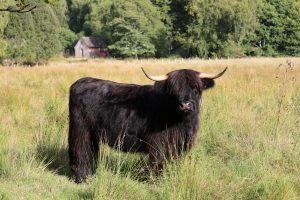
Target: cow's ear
207, 83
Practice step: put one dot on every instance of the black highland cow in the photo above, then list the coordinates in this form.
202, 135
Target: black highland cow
160, 120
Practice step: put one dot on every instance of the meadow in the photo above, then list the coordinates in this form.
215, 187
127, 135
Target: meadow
248, 146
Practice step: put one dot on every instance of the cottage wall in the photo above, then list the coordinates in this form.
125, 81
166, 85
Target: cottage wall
81, 50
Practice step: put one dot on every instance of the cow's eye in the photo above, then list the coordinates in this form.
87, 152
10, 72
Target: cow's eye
195, 91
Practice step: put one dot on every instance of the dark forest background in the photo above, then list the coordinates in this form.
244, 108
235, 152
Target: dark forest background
152, 28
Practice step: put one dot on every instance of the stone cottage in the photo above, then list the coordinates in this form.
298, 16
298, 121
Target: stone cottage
90, 47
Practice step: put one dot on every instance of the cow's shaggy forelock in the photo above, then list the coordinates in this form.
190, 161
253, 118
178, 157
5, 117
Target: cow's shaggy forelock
179, 81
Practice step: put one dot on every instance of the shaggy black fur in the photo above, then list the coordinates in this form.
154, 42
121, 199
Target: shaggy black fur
160, 120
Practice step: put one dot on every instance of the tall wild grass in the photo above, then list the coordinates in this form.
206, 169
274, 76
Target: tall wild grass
248, 146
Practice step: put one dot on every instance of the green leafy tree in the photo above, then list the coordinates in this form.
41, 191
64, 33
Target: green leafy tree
16, 6
33, 37
3, 49
20, 34
78, 12
213, 28
278, 32
47, 30
68, 40
148, 28
4, 17
130, 42
131, 28
61, 12
164, 42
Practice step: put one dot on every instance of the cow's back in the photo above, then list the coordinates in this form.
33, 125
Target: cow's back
108, 108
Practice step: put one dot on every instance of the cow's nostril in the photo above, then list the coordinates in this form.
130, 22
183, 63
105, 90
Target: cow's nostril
185, 106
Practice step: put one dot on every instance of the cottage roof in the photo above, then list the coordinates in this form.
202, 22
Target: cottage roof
93, 42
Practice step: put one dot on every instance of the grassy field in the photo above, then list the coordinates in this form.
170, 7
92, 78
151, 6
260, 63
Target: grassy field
248, 146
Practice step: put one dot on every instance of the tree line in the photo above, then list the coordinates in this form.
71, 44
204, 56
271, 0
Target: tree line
151, 28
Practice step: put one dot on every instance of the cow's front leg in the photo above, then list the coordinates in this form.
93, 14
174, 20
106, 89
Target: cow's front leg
157, 148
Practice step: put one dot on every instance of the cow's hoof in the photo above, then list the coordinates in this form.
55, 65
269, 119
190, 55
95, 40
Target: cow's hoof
79, 179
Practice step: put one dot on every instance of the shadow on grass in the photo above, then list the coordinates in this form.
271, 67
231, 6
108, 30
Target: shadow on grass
56, 160
135, 165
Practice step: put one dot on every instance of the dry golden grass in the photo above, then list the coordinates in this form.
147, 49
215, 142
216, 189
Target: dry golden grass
248, 148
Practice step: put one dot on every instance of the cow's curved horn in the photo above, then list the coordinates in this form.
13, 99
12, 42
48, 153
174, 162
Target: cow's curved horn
155, 78
212, 76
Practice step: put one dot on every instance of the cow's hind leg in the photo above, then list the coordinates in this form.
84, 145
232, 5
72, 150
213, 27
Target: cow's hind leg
80, 148
94, 139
